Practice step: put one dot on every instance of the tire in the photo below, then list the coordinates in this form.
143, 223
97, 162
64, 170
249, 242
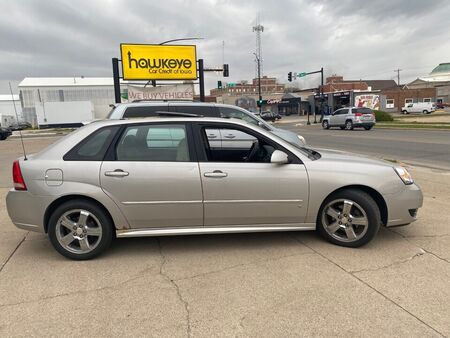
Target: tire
348, 125
2, 138
425, 112
87, 239
368, 127
342, 128
349, 234
404, 112
325, 125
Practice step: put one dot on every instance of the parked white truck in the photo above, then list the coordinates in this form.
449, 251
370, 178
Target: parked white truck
7, 121
419, 107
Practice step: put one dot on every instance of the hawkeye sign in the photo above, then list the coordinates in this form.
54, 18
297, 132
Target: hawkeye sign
158, 62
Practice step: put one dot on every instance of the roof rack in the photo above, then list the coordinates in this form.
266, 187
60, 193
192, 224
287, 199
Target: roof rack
175, 114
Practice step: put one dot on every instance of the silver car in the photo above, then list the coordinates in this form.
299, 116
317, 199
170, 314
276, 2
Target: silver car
164, 176
149, 109
349, 118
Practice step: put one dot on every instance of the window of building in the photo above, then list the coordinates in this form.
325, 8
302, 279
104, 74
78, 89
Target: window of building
427, 99
408, 100
390, 103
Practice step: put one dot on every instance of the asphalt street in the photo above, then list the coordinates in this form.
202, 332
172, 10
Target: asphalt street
430, 148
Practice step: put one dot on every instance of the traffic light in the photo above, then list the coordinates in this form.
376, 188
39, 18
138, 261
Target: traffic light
261, 102
290, 76
226, 72
219, 84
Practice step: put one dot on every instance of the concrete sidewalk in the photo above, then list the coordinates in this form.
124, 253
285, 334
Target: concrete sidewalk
246, 285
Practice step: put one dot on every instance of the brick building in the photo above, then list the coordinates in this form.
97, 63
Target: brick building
396, 98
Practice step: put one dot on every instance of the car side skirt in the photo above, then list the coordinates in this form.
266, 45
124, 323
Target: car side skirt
145, 232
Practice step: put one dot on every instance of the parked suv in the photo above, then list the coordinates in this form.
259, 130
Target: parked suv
148, 109
419, 107
349, 118
4, 133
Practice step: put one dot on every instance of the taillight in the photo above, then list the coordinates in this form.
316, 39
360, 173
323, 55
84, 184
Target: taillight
19, 183
358, 114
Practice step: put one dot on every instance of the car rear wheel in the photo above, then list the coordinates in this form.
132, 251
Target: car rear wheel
404, 112
349, 125
349, 218
325, 125
80, 230
425, 112
368, 127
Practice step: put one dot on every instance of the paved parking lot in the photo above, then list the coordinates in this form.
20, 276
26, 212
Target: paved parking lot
258, 285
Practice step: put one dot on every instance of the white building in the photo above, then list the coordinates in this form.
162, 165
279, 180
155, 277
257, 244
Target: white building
76, 93
439, 78
7, 103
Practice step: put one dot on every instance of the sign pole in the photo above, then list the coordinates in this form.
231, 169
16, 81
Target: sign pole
115, 66
201, 80
321, 94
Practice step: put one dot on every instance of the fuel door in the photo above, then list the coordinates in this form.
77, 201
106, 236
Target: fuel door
54, 177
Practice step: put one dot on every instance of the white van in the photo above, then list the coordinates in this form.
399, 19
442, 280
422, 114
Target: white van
419, 107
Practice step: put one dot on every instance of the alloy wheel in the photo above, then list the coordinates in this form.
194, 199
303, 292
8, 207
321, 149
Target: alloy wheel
345, 220
78, 231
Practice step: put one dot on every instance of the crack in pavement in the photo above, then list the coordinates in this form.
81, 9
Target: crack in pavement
13, 252
373, 288
242, 265
177, 288
390, 265
417, 246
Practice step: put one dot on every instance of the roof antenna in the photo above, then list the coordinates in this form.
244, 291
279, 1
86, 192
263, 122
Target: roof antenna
17, 117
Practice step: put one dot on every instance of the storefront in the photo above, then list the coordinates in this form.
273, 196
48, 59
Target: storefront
292, 104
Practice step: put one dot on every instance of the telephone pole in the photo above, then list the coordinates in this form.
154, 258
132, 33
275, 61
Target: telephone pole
398, 75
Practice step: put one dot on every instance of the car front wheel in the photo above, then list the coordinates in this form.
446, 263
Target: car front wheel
325, 125
80, 230
349, 218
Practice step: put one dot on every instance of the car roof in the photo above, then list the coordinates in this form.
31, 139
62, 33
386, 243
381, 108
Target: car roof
158, 119
178, 103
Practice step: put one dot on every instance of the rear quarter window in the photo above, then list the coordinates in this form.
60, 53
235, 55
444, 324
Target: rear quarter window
94, 146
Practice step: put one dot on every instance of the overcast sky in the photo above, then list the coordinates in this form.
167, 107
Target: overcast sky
354, 38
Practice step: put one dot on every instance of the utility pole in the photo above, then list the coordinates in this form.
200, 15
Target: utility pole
258, 61
398, 75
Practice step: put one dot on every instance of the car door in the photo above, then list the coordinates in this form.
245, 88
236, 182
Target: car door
153, 176
239, 190
334, 119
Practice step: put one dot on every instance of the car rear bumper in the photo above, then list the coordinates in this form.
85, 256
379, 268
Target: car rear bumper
364, 124
403, 206
26, 210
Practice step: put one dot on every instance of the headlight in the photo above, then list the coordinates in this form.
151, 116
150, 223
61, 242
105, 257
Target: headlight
404, 175
302, 139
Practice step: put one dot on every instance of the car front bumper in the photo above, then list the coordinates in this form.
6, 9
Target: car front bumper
403, 206
27, 210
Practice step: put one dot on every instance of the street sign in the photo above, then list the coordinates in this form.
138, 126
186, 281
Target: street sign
301, 74
158, 62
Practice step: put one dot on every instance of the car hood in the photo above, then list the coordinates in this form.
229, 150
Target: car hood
287, 135
342, 156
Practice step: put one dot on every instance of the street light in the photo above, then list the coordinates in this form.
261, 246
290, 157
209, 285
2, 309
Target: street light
259, 80
163, 43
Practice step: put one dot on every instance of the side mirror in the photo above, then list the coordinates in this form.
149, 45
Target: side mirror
279, 157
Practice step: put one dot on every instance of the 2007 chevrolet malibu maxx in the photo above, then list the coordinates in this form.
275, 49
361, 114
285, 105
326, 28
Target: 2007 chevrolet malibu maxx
184, 175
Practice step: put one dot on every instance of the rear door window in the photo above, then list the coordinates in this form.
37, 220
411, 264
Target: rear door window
154, 142
144, 111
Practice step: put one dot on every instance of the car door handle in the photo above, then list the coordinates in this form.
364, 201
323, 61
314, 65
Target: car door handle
212, 136
230, 136
216, 174
117, 173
